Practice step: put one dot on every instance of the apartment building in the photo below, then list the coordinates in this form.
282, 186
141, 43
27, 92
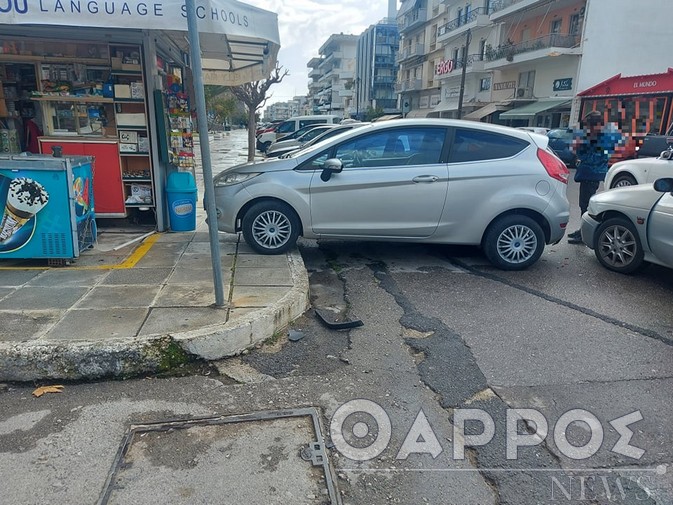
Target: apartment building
525, 60
332, 75
376, 69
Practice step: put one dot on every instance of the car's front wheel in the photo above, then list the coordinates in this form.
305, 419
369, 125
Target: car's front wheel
513, 242
617, 246
270, 227
623, 180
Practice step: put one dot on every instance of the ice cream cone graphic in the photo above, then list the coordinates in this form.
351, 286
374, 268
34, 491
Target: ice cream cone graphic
25, 198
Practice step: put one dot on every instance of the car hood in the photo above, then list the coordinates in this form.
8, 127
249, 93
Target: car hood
267, 165
642, 163
643, 196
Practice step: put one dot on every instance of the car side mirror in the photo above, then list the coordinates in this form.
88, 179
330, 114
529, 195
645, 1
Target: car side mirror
331, 166
664, 185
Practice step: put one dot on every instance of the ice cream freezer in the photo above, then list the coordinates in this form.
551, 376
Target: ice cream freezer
47, 206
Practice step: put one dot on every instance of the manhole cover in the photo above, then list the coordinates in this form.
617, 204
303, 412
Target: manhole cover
274, 457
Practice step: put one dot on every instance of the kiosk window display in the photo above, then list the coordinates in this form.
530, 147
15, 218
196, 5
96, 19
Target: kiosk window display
89, 99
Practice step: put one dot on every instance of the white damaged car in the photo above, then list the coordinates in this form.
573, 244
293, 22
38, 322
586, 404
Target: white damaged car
628, 227
639, 171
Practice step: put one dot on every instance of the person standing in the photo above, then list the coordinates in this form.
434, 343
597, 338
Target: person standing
593, 149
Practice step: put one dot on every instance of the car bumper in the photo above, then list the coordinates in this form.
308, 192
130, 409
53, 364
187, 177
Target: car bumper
557, 215
228, 202
588, 230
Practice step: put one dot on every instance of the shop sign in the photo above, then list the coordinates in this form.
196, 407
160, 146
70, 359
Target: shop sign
565, 84
497, 86
215, 16
444, 67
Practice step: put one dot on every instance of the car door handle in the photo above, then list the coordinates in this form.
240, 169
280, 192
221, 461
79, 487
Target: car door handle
426, 178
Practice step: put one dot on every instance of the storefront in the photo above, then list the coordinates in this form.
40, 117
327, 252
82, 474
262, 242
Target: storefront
110, 80
638, 105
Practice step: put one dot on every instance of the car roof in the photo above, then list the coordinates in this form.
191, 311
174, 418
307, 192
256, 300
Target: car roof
455, 123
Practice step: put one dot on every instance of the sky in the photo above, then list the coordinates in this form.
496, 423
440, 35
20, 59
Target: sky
305, 25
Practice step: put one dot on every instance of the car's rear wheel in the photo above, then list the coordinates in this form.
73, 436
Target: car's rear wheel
623, 180
513, 242
617, 246
271, 227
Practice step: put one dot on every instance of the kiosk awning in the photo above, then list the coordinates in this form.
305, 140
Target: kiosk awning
529, 110
486, 110
239, 42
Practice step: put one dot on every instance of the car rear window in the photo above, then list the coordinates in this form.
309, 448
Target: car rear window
478, 145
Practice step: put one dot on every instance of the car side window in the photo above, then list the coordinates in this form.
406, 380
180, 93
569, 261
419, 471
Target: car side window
306, 122
478, 145
286, 127
401, 146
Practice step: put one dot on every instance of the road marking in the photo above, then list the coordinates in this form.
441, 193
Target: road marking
129, 262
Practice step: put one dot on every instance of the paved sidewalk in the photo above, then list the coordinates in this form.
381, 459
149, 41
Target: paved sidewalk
146, 306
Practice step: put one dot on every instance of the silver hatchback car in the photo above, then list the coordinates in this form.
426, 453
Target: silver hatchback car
413, 180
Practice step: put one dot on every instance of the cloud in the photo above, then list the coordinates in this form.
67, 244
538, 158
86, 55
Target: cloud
305, 25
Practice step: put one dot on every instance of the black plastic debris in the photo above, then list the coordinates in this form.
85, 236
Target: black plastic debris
337, 325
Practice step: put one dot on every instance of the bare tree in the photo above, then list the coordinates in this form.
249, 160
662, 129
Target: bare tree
253, 95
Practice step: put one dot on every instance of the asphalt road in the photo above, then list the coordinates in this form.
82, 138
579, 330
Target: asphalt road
445, 337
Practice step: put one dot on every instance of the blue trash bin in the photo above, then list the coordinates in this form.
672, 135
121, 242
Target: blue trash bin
181, 197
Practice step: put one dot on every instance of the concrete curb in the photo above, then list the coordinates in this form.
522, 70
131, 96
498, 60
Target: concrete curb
41, 360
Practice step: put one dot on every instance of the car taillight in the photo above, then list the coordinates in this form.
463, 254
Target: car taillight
554, 166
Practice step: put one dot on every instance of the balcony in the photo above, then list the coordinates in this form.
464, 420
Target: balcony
553, 44
409, 85
473, 19
345, 93
412, 20
502, 8
315, 73
409, 52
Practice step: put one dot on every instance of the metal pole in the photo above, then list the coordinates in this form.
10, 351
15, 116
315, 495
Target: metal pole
462, 75
211, 211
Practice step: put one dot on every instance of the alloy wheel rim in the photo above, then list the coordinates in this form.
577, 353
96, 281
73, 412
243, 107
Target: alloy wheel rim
623, 183
271, 229
517, 244
617, 246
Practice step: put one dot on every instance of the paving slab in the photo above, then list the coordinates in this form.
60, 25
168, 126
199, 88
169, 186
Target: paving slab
204, 260
136, 275
108, 297
68, 278
204, 248
179, 319
279, 276
27, 298
5, 291
16, 278
26, 325
261, 261
197, 294
190, 275
256, 296
98, 324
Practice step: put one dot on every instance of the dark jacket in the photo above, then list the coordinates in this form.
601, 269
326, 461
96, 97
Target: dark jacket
593, 154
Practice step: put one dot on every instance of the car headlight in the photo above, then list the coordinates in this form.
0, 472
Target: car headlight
229, 179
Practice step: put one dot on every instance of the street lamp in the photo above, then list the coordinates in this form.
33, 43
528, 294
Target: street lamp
468, 39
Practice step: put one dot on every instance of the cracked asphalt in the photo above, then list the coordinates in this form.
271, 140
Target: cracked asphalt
443, 333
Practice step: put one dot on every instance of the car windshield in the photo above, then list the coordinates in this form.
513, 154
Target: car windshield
560, 134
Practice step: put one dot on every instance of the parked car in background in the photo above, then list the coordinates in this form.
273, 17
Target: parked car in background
639, 171
654, 144
534, 129
324, 135
294, 141
628, 227
413, 180
290, 126
560, 141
